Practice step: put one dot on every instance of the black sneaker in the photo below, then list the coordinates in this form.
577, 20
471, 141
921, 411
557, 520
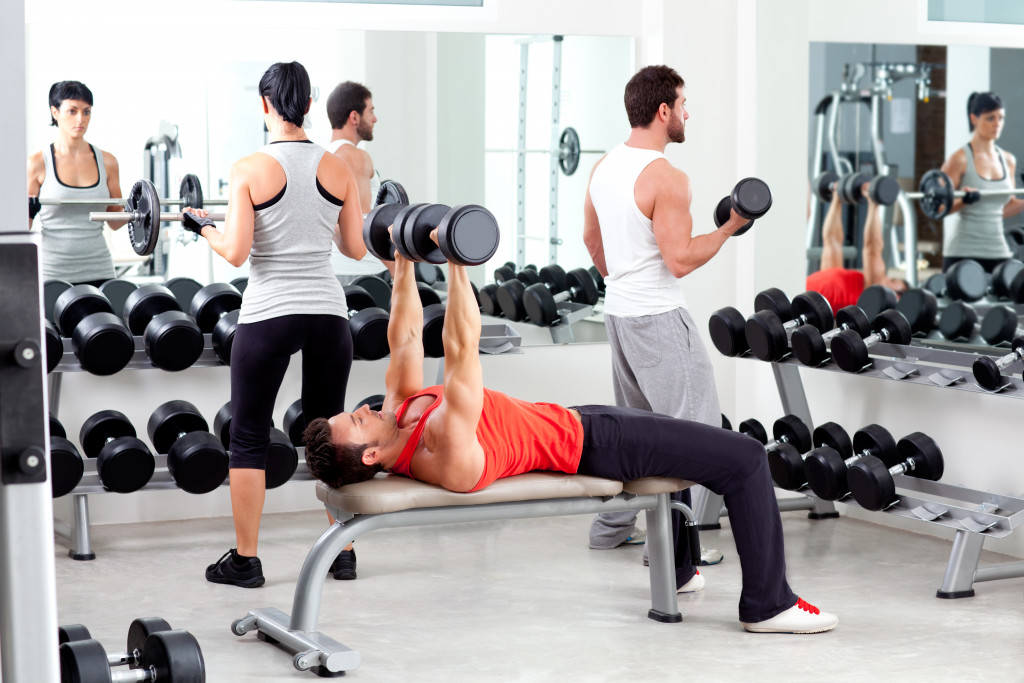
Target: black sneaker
247, 573
344, 566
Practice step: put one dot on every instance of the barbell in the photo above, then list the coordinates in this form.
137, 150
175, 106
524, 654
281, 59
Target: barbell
568, 151
936, 193
190, 193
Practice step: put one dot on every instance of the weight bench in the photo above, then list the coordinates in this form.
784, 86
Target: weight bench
391, 501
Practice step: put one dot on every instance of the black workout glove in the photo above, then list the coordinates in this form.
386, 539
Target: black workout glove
194, 223
971, 196
33, 207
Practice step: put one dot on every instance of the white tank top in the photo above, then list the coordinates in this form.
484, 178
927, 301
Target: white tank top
369, 265
638, 281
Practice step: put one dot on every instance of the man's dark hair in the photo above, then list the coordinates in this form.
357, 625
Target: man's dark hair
286, 85
348, 97
647, 89
333, 464
68, 90
982, 103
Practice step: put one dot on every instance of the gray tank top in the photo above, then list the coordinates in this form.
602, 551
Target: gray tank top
976, 230
290, 262
73, 247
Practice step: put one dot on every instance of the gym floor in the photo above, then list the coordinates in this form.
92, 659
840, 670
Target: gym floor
526, 600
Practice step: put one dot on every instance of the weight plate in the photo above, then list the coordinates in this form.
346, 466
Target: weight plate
375, 230
487, 297
469, 235
117, 292
75, 304
849, 351
190, 192
893, 322
871, 484
569, 150
786, 467
139, 630
766, 336
826, 473
936, 190
554, 276
751, 198
728, 332
418, 229
391, 192
510, 299
83, 661
144, 228
282, 459
102, 344
399, 238
433, 324
876, 440
966, 280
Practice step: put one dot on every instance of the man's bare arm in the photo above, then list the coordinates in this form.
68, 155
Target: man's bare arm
404, 376
832, 234
592, 229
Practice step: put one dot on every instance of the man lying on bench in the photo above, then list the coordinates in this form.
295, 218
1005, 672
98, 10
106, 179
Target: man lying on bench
462, 437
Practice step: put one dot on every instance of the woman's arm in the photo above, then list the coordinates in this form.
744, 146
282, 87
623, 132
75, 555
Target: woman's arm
113, 187
36, 176
235, 242
955, 167
1015, 206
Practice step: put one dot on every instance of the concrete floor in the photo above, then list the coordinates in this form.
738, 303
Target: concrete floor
526, 600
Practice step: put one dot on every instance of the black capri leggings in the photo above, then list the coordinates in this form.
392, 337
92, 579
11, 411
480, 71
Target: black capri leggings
260, 355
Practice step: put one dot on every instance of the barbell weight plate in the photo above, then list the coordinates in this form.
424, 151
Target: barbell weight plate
919, 307
378, 289
822, 185
84, 661
144, 229
795, 431
834, 436
66, 467
878, 440
375, 230
875, 299
190, 192
391, 192
727, 328
569, 150
966, 281
468, 235
936, 190
117, 293
776, 301
751, 198
282, 459
884, 190
433, 324
175, 656
754, 429
817, 310
173, 418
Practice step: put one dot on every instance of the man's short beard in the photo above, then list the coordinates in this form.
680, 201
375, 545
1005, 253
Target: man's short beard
365, 131
676, 131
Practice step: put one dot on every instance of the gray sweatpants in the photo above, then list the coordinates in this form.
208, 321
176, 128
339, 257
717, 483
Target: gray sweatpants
660, 364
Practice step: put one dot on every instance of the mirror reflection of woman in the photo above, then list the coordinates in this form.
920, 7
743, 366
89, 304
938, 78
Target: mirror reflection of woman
975, 230
73, 247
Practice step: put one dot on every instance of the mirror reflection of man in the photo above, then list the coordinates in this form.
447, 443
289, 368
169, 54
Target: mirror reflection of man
350, 111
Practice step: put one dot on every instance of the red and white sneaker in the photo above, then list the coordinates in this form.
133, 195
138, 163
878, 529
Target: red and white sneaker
803, 617
696, 583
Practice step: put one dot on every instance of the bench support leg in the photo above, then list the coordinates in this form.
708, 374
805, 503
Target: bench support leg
664, 606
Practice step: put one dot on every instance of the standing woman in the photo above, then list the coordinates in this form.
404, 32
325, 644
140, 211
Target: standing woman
288, 202
73, 247
976, 231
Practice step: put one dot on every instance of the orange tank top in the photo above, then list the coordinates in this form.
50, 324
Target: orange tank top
516, 436
841, 286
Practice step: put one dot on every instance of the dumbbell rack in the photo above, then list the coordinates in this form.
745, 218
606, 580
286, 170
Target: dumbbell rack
974, 515
494, 340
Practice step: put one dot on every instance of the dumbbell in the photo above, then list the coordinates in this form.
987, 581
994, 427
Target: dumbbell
959, 321
1005, 283
850, 351
367, 323
196, 459
528, 275
988, 371
124, 463
66, 463
378, 288
171, 656
428, 273
964, 281
375, 230
540, 300
428, 295
117, 292
871, 481
139, 630
374, 402
294, 422
487, 297
173, 340
881, 188
467, 234
99, 339
875, 299
788, 465
240, 283
725, 423
822, 184
52, 289
728, 332
215, 309
787, 430
54, 345
826, 467
433, 326
768, 335
184, 290
751, 198
1000, 325
811, 347
598, 278
921, 309
282, 458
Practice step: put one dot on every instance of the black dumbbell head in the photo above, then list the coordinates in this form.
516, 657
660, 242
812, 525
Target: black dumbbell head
815, 309
102, 426
222, 425
966, 280
125, 465
825, 470
428, 295
834, 436
56, 428
69, 633
875, 299
224, 335
725, 422
849, 186
539, 304
375, 230
854, 318
957, 321
849, 351
751, 198
1003, 276
369, 328
487, 297
871, 484
398, 229
582, 286
877, 441
378, 288
728, 332
822, 185
294, 422
920, 307
140, 629
999, 325
66, 466
425, 273
922, 449
82, 660
240, 283
554, 277
52, 289
282, 459
986, 373
75, 304
174, 656
893, 322
102, 344
754, 429
117, 293
936, 284
433, 325
358, 298
808, 345
197, 462
173, 418
787, 467
54, 345
213, 301
795, 432
373, 402
776, 301
173, 341
504, 273
511, 299
468, 235
417, 231
884, 190
766, 336
184, 289
598, 278
722, 214
391, 192
528, 276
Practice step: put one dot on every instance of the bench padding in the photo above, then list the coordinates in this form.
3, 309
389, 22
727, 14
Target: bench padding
391, 493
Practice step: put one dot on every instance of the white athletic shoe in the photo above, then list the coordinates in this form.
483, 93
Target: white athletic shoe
803, 617
696, 583
639, 537
709, 556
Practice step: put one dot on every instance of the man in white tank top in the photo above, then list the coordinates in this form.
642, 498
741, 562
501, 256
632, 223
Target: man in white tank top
639, 231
